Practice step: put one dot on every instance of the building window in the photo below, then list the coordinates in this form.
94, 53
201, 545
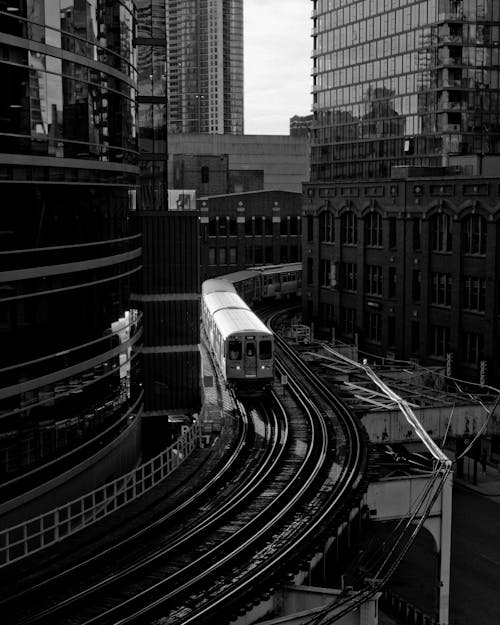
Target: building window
294, 253
348, 321
472, 347
310, 266
269, 254
415, 285
373, 229
326, 227
310, 227
373, 280
349, 228
474, 293
233, 256
284, 227
212, 227
474, 235
259, 256
440, 233
392, 232
441, 289
349, 276
326, 315
325, 269
415, 337
233, 228
294, 225
222, 256
268, 226
211, 256
439, 341
249, 226
283, 253
391, 331
258, 226
374, 327
392, 281
205, 175
417, 234
223, 226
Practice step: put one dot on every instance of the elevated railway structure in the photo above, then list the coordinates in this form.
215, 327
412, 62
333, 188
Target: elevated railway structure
288, 493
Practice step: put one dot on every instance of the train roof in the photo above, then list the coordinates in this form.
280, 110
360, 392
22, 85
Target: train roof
233, 320
272, 269
237, 276
223, 300
216, 285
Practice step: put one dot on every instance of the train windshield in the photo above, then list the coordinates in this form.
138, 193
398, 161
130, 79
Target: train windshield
265, 350
234, 350
250, 349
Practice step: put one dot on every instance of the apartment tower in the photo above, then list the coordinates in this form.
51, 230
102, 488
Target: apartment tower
205, 66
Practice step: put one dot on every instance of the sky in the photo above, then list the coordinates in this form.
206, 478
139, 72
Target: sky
277, 59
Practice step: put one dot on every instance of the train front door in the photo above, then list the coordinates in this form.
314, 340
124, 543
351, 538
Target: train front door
251, 358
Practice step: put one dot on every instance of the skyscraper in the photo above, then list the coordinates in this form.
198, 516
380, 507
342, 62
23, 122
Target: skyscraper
68, 252
205, 66
399, 82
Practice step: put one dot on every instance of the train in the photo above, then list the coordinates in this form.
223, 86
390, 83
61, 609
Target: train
241, 344
267, 282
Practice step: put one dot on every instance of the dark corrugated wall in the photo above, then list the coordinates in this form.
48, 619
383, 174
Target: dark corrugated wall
169, 298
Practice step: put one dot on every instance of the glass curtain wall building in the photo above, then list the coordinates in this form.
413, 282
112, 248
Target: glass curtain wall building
205, 66
403, 82
68, 251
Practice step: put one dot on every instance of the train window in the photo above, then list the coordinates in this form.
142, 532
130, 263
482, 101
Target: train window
234, 350
266, 350
250, 349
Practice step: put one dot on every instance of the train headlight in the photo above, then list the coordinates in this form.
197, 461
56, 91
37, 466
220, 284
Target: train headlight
238, 367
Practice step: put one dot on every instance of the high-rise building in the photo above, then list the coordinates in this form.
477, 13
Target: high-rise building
68, 251
401, 215
204, 66
400, 82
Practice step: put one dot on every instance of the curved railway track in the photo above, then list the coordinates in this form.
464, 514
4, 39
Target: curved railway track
228, 548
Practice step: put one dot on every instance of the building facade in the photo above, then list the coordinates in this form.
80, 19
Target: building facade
408, 269
401, 212
216, 164
240, 230
300, 125
167, 291
403, 82
205, 66
69, 364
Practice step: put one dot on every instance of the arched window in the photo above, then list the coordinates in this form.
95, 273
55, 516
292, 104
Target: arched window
212, 227
373, 229
349, 228
474, 234
326, 227
440, 233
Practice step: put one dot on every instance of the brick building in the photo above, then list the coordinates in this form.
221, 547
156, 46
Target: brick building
245, 229
408, 267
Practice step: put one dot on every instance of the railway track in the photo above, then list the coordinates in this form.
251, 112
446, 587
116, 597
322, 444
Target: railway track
228, 549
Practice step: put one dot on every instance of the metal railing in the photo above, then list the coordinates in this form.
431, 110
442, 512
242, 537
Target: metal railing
37, 533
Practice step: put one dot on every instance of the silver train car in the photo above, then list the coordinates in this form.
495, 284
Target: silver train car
267, 281
242, 346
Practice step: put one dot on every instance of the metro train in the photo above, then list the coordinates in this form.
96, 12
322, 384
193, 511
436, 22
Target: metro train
267, 281
242, 346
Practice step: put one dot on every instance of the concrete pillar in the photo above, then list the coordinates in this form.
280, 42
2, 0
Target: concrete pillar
445, 551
